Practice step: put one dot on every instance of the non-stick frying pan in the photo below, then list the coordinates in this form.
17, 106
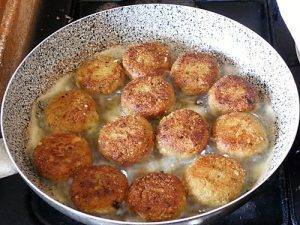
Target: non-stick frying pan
182, 28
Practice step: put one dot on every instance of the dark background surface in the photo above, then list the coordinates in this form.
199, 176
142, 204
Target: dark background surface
276, 202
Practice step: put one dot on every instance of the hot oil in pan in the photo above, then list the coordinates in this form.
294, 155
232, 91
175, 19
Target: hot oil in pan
109, 109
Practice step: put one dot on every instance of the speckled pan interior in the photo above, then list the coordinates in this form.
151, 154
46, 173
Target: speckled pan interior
182, 28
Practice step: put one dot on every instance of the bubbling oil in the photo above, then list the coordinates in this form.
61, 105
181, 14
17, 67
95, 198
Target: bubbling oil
109, 109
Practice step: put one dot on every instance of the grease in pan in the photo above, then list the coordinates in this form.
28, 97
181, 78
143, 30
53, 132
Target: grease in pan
136, 162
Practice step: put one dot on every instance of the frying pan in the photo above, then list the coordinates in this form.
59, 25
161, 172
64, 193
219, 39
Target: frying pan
182, 28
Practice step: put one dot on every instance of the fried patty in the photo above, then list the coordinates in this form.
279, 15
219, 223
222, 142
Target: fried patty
71, 111
101, 75
149, 97
98, 189
232, 94
194, 72
240, 134
147, 59
58, 156
182, 133
214, 180
157, 197
127, 140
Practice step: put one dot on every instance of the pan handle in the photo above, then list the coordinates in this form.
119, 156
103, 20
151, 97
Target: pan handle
7, 167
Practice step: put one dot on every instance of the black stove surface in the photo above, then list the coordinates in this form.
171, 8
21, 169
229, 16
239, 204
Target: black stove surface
276, 202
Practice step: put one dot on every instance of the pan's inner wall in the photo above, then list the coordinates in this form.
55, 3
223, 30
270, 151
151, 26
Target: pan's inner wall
175, 25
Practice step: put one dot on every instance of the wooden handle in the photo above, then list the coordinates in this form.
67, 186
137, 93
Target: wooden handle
16, 22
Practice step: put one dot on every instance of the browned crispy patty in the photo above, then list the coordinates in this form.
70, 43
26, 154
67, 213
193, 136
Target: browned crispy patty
71, 111
215, 180
232, 94
58, 156
147, 59
102, 74
148, 96
126, 140
157, 197
182, 133
240, 134
194, 73
98, 189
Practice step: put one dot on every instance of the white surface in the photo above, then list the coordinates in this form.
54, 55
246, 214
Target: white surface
290, 12
6, 166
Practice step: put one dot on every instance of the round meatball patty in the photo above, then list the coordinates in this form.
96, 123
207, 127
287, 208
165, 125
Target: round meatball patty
149, 97
214, 180
101, 75
194, 72
182, 133
232, 94
240, 134
71, 111
147, 59
157, 197
58, 156
98, 189
127, 140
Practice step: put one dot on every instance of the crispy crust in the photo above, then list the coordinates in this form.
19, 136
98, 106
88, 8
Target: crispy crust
103, 74
57, 156
194, 73
182, 133
240, 134
126, 140
232, 94
149, 97
215, 180
147, 59
157, 197
98, 189
71, 111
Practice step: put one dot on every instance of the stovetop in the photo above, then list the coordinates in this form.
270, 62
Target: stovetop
276, 202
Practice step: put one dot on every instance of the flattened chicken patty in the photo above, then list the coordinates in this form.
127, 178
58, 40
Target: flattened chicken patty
58, 156
232, 94
240, 134
127, 140
214, 180
157, 197
194, 72
101, 75
149, 97
182, 133
98, 189
147, 59
71, 111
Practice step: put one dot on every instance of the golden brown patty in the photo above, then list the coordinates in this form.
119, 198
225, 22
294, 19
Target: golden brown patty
147, 59
157, 197
182, 133
103, 75
215, 180
194, 73
147, 96
232, 94
71, 111
98, 189
240, 134
126, 140
57, 156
